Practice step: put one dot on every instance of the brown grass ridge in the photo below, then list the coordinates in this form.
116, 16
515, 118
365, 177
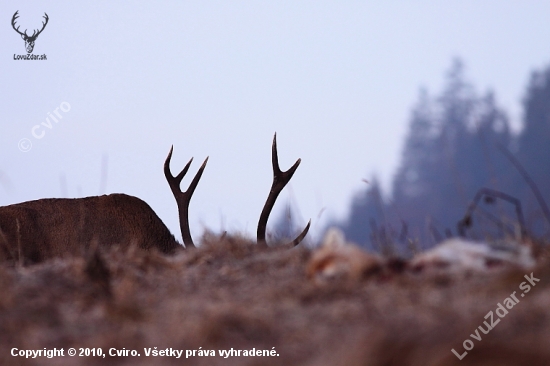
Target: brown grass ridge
231, 293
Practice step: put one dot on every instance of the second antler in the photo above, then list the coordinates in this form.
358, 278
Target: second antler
280, 180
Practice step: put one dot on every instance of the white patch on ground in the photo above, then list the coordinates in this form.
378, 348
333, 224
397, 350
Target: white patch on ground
460, 254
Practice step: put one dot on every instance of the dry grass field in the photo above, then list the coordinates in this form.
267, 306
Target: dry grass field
232, 294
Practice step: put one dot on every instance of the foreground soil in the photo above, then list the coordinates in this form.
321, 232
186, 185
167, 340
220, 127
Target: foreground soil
231, 294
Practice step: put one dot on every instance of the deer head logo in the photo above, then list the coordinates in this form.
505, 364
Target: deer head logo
29, 40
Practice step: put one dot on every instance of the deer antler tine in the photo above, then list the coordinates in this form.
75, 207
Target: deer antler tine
169, 157
180, 176
44, 23
302, 235
280, 180
277, 173
174, 181
13, 19
275, 156
167, 172
195, 180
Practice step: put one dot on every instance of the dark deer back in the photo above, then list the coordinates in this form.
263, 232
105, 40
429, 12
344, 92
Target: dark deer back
47, 228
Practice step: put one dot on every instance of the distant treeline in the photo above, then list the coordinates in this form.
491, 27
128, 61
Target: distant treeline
458, 143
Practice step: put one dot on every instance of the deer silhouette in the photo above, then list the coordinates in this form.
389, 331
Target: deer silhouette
29, 40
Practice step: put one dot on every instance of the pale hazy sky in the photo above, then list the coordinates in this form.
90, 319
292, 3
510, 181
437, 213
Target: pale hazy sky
335, 79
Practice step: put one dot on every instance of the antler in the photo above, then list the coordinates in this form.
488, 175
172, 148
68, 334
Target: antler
34, 34
43, 26
280, 180
183, 198
13, 19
